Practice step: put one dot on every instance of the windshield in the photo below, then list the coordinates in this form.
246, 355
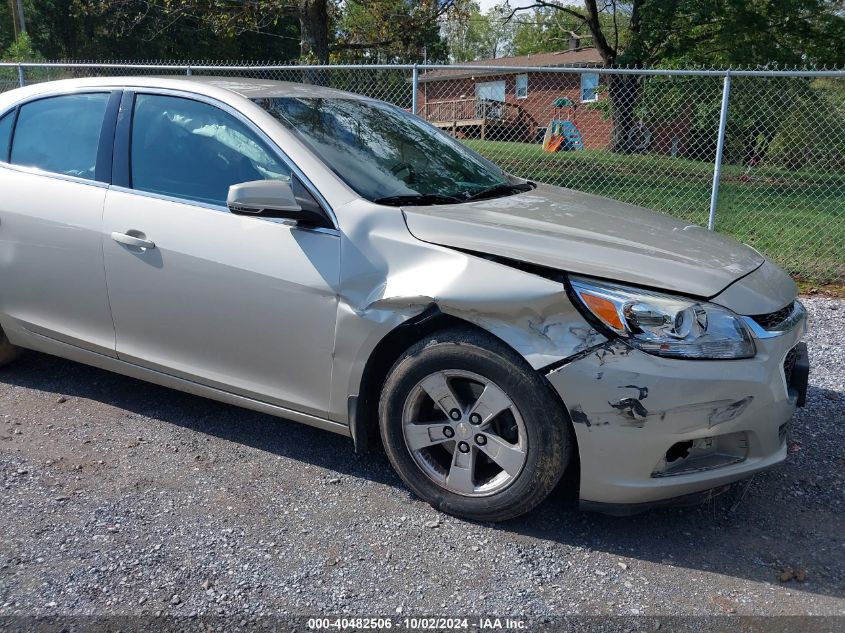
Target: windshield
386, 154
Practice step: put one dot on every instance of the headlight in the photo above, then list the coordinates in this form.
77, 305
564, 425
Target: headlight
665, 325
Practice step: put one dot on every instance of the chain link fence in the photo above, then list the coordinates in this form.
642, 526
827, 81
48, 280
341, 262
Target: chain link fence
759, 155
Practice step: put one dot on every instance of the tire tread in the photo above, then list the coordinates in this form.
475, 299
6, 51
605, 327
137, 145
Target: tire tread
551, 439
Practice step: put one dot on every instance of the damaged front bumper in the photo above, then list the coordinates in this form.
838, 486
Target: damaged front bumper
653, 429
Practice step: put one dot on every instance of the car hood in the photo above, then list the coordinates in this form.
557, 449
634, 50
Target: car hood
582, 233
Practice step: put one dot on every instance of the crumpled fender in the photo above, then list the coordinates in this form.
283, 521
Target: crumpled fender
390, 277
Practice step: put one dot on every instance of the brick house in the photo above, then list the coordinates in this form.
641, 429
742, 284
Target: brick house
515, 105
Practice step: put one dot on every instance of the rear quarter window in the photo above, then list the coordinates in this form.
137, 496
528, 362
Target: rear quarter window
6, 122
60, 134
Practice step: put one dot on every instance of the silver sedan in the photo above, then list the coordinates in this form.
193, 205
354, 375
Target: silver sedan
332, 259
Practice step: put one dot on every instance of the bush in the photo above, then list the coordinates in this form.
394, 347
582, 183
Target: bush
21, 50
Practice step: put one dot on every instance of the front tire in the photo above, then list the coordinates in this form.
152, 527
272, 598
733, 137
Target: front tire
471, 428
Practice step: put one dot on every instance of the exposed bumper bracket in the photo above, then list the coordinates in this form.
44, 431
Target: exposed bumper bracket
800, 375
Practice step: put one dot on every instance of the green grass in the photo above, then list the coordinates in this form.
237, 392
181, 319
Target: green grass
797, 217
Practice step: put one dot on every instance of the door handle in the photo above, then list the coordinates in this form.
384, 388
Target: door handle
131, 240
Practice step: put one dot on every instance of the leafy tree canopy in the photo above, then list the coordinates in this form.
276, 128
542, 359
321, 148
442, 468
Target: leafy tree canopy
634, 33
701, 32
386, 31
471, 34
547, 30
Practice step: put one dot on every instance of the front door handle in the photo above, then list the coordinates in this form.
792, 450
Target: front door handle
131, 240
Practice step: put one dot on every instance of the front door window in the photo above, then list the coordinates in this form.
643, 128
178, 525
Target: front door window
193, 150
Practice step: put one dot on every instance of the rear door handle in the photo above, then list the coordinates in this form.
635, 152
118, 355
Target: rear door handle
131, 240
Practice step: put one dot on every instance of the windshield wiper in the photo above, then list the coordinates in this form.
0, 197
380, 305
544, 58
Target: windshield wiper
503, 189
417, 198
439, 198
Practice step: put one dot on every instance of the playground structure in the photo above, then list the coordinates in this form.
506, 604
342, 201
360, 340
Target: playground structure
562, 133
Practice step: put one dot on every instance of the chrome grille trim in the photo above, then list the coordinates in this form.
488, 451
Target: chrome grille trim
795, 319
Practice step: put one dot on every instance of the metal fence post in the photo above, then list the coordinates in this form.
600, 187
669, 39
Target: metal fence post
21, 76
720, 146
188, 71
415, 83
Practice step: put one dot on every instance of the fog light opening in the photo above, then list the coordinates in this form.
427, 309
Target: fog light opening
678, 451
705, 453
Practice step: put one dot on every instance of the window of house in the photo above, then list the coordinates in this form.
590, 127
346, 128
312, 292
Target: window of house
589, 86
193, 150
60, 134
521, 86
490, 91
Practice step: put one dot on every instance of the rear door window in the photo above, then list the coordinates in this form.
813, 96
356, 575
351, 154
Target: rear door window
60, 134
193, 150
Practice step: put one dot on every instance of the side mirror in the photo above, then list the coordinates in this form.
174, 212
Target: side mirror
272, 199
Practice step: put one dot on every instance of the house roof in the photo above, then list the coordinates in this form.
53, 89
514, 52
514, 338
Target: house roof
581, 57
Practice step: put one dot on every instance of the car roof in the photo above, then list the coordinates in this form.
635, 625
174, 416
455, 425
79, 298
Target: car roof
265, 88
251, 88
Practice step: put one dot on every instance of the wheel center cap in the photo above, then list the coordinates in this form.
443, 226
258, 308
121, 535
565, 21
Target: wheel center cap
464, 431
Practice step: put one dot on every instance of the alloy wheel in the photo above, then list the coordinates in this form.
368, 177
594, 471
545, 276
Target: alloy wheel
464, 432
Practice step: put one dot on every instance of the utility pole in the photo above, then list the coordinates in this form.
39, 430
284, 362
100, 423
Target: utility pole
14, 19
21, 18
17, 19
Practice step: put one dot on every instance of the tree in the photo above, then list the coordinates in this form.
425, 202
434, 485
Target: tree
474, 35
173, 29
464, 28
390, 31
21, 50
313, 27
547, 30
652, 33
500, 31
135, 29
8, 28
399, 25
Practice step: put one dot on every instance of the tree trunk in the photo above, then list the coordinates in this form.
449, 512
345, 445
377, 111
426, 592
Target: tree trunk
314, 46
623, 93
314, 25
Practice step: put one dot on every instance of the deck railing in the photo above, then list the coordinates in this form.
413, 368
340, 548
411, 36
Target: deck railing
470, 111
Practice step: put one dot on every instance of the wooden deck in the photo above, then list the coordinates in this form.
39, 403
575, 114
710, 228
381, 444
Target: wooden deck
475, 114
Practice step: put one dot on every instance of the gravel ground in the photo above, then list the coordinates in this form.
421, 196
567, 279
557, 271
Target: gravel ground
120, 497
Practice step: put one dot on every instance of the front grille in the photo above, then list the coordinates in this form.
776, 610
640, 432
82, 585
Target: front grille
789, 364
771, 320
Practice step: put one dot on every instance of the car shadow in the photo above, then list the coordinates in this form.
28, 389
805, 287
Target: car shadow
751, 532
